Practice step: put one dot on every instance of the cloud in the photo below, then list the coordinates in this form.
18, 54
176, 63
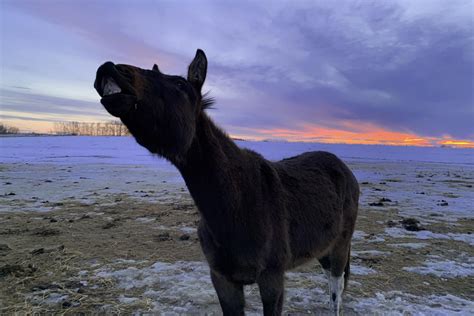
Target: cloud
28, 118
384, 63
405, 65
48, 108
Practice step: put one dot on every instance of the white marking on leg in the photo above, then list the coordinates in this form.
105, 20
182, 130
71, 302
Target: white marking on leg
336, 286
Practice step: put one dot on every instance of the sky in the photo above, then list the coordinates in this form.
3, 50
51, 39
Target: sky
370, 72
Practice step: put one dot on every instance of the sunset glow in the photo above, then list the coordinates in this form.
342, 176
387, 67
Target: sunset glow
368, 135
457, 143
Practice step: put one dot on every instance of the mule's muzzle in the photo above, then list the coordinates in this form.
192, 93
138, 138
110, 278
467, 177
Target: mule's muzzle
116, 90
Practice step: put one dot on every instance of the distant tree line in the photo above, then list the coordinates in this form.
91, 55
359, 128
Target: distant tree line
5, 129
111, 128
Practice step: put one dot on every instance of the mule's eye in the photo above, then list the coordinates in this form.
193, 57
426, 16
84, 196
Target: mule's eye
180, 83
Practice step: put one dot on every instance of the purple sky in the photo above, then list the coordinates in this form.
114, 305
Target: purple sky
402, 67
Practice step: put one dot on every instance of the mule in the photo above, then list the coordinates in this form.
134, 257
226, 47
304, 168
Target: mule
257, 218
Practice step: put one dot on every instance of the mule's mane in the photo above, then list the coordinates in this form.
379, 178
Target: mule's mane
207, 101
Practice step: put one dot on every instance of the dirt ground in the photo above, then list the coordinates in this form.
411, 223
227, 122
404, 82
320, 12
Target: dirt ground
49, 260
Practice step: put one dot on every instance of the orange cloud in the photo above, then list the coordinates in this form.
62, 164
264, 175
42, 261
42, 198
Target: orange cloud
355, 133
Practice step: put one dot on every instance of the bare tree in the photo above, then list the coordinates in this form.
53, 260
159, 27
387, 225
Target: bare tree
6, 129
111, 128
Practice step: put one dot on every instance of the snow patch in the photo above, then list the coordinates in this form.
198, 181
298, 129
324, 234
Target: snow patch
144, 219
359, 253
361, 270
444, 269
186, 288
187, 230
359, 235
398, 303
127, 300
411, 245
169, 285
397, 232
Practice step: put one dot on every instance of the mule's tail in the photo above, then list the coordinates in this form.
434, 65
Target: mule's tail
347, 269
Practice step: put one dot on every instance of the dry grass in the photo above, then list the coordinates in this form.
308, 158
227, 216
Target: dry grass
50, 253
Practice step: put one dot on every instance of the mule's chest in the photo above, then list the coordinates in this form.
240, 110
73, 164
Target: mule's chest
240, 262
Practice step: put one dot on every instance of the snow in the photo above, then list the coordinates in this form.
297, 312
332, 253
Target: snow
398, 303
168, 285
56, 169
187, 230
39, 187
185, 287
444, 269
127, 300
77, 150
397, 232
458, 265
279, 150
411, 245
359, 235
361, 270
46, 297
374, 253
124, 150
54, 298
145, 219
44, 171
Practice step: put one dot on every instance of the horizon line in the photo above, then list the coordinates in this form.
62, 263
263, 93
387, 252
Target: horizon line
447, 144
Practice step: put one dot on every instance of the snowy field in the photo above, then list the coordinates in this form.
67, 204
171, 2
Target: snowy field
98, 225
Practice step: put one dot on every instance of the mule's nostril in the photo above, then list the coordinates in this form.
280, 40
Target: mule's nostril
109, 86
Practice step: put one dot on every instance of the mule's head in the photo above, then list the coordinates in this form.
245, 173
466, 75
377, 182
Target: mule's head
159, 110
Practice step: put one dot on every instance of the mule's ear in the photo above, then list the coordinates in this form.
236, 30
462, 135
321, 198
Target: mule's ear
197, 70
155, 68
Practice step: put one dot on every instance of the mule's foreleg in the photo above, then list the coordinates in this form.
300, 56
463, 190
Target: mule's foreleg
231, 295
271, 286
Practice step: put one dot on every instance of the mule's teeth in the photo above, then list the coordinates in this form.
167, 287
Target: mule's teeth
110, 87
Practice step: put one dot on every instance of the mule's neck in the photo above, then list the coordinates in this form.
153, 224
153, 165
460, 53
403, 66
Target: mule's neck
207, 167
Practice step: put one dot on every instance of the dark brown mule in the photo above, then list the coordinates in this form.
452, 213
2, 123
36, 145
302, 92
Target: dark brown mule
258, 218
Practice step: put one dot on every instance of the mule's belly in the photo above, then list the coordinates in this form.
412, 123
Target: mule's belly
238, 274
301, 258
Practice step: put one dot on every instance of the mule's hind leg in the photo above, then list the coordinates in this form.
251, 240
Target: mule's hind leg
347, 269
339, 261
231, 295
334, 282
326, 264
270, 284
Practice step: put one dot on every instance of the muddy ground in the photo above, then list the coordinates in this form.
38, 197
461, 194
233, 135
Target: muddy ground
100, 257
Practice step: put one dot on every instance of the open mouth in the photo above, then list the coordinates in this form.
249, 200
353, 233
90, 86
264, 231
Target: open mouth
109, 86
118, 95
